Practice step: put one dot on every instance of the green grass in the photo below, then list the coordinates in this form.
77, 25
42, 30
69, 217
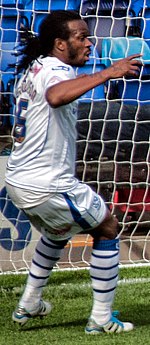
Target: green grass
71, 296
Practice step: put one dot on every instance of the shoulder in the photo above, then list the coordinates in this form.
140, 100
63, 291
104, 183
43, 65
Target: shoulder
57, 67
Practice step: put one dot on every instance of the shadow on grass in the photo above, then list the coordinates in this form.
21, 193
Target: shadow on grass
140, 316
65, 324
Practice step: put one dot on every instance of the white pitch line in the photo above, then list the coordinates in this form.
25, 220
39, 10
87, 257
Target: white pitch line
134, 281
120, 282
80, 285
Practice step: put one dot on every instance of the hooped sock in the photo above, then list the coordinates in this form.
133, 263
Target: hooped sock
104, 276
46, 254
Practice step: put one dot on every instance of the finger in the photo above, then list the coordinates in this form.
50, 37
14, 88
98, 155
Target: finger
134, 56
135, 67
132, 73
134, 70
136, 62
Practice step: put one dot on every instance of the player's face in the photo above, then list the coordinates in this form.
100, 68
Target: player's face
78, 44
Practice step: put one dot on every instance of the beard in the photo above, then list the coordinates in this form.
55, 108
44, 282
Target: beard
73, 57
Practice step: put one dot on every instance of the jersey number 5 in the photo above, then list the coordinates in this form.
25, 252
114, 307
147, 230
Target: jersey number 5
20, 125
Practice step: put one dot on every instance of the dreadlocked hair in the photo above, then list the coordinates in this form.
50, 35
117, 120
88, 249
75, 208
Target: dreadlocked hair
29, 50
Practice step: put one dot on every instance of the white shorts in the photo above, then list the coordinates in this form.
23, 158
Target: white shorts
66, 214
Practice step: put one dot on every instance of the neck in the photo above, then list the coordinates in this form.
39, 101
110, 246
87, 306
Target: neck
59, 55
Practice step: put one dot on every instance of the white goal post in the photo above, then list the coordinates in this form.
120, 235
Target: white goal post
113, 129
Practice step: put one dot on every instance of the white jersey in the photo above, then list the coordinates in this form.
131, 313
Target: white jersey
43, 159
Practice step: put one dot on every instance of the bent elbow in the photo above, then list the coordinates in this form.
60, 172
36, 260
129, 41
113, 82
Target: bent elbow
53, 100
53, 103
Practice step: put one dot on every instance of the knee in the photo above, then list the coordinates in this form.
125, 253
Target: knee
113, 227
108, 229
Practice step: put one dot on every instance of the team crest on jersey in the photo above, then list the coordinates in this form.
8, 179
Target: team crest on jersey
63, 68
96, 203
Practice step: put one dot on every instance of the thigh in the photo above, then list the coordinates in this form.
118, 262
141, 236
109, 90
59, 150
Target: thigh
66, 214
87, 208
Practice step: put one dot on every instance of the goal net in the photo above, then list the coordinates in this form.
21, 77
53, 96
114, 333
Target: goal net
113, 128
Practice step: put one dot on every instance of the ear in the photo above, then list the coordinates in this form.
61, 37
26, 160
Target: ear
60, 44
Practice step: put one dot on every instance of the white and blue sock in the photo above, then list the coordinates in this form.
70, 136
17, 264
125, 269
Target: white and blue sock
46, 254
104, 276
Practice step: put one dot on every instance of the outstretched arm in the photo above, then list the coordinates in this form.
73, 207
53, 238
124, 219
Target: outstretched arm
69, 90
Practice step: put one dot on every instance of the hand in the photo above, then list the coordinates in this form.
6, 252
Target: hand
128, 66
